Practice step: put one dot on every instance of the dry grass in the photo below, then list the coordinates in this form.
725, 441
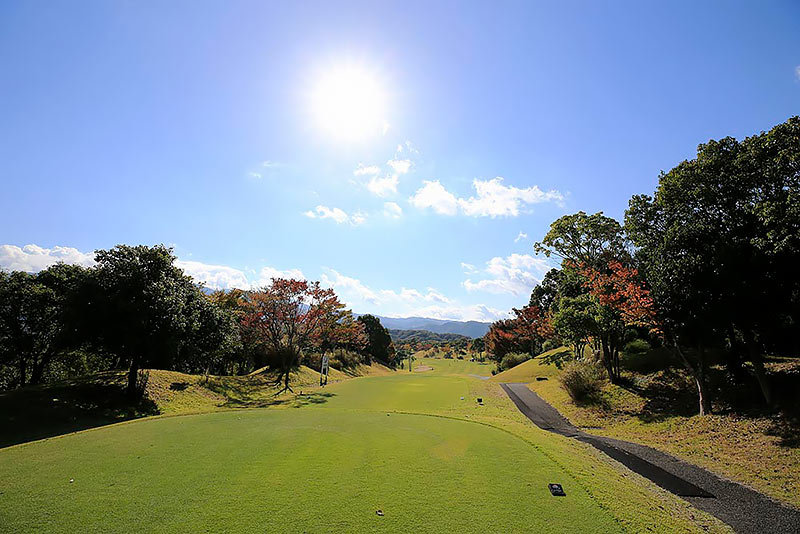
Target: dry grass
759, 451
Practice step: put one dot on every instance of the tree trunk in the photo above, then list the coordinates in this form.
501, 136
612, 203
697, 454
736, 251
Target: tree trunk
38, 369
133, 375
754, 351
761, 376
699, 376
702, 395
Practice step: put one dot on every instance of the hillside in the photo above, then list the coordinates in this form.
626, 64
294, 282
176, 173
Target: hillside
96, 400
472, 329
424, 336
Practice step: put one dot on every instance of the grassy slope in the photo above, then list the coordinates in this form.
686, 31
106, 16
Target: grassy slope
745, 449
96, 400
328, 466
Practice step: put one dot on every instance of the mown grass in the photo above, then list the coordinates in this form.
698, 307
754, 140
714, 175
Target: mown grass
749, 448
96, 400
406, 444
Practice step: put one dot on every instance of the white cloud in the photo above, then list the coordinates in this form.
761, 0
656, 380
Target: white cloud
337, 214
214, 276
468, 268
224, 277
433, 195
33, 258
400, 166
383, 186
369, 170
358, 218
392, 210
405, 302
516, 274
520, 236
475, 312
408, 147
254, 175
349, 289
267, 164
493, 199
797, 72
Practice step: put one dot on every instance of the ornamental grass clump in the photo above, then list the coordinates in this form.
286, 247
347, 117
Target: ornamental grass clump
582, 379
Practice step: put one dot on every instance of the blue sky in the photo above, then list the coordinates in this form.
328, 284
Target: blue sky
198, 125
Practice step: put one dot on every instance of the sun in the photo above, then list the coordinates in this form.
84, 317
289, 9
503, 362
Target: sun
349, 103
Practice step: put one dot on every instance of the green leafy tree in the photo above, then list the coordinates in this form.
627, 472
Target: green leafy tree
588, 242
144, 309
379, 343
718, 244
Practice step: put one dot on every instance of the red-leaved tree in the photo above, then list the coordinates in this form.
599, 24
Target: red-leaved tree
288, 316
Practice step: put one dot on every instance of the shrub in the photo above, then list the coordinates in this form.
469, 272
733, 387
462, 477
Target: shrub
640, 357
512, 360
343, 360
550, 344
581, 379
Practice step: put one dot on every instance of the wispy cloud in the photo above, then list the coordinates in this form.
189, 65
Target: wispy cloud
366, 170
253, 174
383, 182
493, 199
383, 187
520, 237
400, 166
516, 274
797, 72
392, 210
404, 302
336, 214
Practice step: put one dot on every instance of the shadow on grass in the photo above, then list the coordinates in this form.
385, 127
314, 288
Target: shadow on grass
45, 411
298, 400
671, 392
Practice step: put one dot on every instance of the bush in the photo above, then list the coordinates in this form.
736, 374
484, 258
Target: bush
550, 344
343, 360
581, 379
512, 360
638, 356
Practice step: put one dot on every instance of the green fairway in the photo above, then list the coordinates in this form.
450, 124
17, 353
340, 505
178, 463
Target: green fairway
455, 366
290, 471
326, 461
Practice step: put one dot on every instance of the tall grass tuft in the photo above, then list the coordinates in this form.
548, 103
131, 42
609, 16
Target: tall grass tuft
582, 379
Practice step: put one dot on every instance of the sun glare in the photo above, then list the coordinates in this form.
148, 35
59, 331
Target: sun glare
349, 103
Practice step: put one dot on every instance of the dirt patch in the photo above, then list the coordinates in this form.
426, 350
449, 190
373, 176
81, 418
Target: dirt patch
422, 368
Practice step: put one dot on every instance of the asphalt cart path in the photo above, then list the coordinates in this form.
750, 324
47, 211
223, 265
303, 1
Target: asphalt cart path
744, 509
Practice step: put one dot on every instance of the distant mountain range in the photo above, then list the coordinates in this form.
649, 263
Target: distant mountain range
440, 326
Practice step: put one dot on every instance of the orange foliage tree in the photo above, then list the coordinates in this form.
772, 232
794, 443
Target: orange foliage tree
525, 332
292, 316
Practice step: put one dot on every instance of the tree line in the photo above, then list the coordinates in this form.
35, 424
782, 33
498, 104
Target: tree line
707, 267
136, 309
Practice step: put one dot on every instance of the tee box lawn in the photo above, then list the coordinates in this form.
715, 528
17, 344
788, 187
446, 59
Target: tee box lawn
405, 444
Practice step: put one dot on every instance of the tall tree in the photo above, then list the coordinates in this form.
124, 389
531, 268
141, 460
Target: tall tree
141, 307
718, 246
589, 242
293, 316
379, 345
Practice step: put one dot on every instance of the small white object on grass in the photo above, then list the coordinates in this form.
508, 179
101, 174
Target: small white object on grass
379, 512
462, 398
71, 480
